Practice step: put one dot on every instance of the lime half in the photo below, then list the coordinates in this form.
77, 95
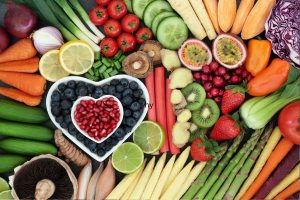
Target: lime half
149, 136
127, 158
6, 195
3, 185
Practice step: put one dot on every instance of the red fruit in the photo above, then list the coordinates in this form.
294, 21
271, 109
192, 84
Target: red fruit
234, 79
233, 97
209, 95
214, 65
214, 92
112, 28
238, 71
210, 77
117, 9
98, 15
126, 42
225, 129
221, 92
221, 71
198, 152
204, 77
244, 74
218, 99
130, 23
197, 75
207, 86
109, 47
143, 34
227, 76
218, 81
249, 77
102, 2
206, 69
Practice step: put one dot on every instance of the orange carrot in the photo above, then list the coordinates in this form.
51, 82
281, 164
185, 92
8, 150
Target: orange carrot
289, 191
20, 96
21, 50
149, 82
32, 84
30, 65
281, 150
171, 118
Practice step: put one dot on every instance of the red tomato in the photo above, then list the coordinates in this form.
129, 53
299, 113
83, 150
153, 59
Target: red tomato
98, 15
112, 28
126, 42
102, 2
109, 47
130, 23
143, 34
289, 122
117, 9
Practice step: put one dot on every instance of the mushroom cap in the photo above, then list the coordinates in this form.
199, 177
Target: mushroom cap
152, 48
39, 168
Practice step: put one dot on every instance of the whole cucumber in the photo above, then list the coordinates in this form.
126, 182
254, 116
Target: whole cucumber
26, 131
14, 111
27, 147
9, 162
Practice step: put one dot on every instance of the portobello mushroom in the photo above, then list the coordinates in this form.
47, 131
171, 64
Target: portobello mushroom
152, 48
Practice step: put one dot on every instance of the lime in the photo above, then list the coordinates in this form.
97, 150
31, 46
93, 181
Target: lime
149, 136
76, 57
3, 185
6, 195
127, 158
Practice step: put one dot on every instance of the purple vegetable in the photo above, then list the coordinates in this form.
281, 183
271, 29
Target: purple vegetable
4, 39
285, 166
283, 30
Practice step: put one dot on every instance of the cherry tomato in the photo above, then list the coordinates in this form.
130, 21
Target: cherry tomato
289, 122
98, 15
109, 47
117, 9
112, 28
126, 42
143, 34
130, 23
102, 2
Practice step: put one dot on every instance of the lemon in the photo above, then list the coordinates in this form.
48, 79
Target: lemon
6, 195
50, 67
3, 185
76, 57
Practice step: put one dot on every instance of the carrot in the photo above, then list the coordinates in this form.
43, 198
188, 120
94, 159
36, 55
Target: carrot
149, 81
212, 10
283, 147
289, 191
30, 65
32, 84
171, 119
21, 50
20, 96
160, 101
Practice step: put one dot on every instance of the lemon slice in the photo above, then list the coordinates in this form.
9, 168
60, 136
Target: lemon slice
6, 195
76, 57
50, 67
3, 185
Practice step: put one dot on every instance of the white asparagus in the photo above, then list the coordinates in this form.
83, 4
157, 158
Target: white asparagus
91, 190
83, 180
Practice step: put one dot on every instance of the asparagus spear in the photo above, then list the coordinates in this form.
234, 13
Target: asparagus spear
221, 165
200, 180
233, 162
244, 172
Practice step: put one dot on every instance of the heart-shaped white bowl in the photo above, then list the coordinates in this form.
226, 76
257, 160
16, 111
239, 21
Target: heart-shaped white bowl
71, 137
91, 98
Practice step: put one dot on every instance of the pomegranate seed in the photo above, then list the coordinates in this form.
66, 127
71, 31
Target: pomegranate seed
218, 81
197, 75
214, 65
214, 92
207, 86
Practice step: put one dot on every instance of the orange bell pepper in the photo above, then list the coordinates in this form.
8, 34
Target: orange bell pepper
270, 79
258, 55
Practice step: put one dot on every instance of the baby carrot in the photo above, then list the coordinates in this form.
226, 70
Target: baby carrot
289, 191
30, 65
20, 96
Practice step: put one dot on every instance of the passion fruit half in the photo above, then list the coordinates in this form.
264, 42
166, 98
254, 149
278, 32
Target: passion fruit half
194, 54
229, 50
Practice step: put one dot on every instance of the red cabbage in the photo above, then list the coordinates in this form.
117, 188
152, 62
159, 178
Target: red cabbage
283, 30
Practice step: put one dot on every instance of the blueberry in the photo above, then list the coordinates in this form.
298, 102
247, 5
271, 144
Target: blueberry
136, 114
71, 84
54, 104
127, 100
105, 89
119, 133
127, 113
135, 106
138, 93
68, 119
127, 92
55, 110
127, 129
80, 137
87, 142
55, 96
66, 112
114, 142
130, 121
115, 82
66, 104
81, 91
119, 88
93, 149
107, 147
111, 89
61, 87
142, 102
64, 125
93, 145
80, 84
133, 85
98, 92
124, 82
59, 119
72, 129
69, 93
101, 152
90, 88
118, 95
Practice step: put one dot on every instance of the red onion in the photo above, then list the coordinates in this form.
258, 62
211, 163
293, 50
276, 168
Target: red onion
19, 20
4, 39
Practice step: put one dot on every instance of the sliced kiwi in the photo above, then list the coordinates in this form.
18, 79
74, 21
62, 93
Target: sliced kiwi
195, 95
207, 115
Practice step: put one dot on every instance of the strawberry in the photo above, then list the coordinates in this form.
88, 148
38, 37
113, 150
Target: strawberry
233, 97
225, 128
203, 150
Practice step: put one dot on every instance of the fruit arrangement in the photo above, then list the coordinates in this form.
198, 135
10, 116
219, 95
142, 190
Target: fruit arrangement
143, 99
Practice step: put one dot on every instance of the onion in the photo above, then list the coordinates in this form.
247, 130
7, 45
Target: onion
19, 20
46, 39
4, 39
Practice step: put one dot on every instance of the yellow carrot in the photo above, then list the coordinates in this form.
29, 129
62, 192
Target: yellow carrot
241, 15
226, 14
212, 9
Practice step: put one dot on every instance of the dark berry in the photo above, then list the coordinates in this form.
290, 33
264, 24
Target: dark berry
105, 89
133, 85
55, 104
98, 92
119, 88
66, 112
127, 113
80, 84
142, 102
68, 119
80, 137
127, 92
87, 142
127, 129
135, 106
127, 100
72, 129
69, 93
55, 96
101, 152
136, 114
90, 88
138, 93
93, 149
61, 87
64, 125
118, 95
124, 82
59, 119
66, 104
81, 91
55, 110
114, 142
71, 84
111, 90
119, 133
130, 121
115, 82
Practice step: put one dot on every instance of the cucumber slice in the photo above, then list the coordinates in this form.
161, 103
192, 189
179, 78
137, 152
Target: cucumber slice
128, 5
138, 7
172, 32
159, 18
153, 9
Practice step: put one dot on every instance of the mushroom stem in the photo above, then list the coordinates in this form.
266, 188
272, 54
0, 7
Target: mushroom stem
137, 65
44, 189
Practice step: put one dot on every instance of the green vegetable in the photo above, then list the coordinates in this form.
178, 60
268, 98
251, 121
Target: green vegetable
200, 180
258, 111
14, 111
26, 131
9, 162
27, 147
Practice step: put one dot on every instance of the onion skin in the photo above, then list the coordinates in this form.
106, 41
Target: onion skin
19, 20
4, 39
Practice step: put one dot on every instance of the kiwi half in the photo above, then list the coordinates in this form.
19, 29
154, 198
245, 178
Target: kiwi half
195, 95
207, 115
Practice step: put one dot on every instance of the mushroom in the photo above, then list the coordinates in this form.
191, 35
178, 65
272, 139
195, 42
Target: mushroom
138, 64
152, 48
42, 178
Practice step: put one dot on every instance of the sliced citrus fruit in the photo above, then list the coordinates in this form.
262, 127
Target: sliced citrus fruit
6, 195
3, 185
